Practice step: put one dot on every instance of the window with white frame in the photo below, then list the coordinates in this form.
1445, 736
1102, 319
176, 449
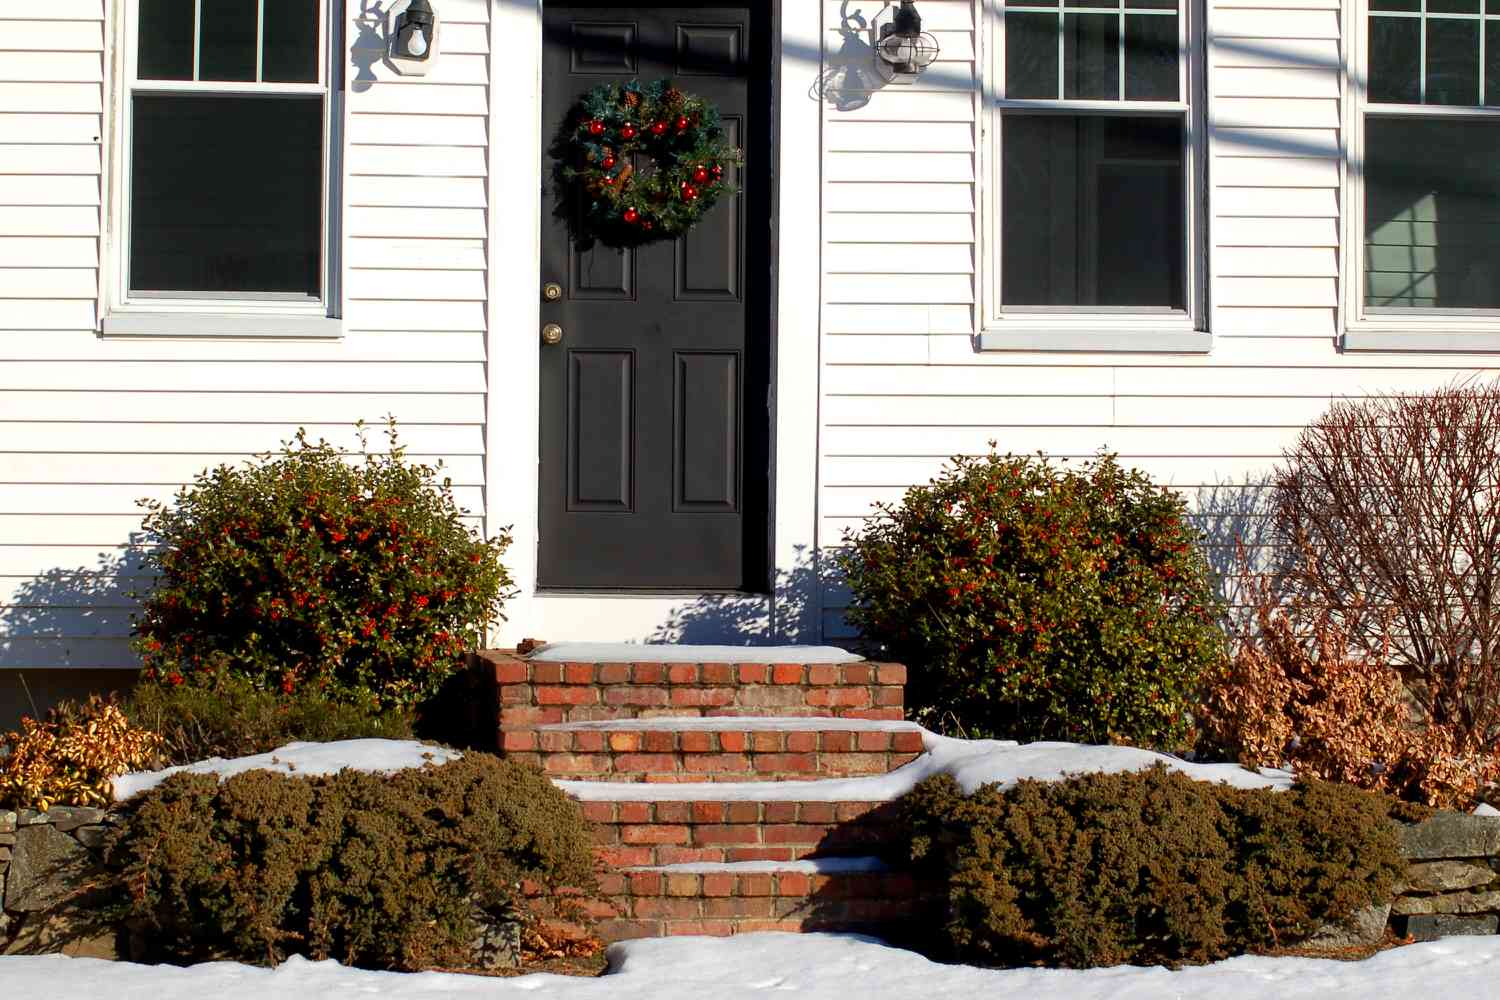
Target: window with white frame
1424, 176
225, 130
1092, 192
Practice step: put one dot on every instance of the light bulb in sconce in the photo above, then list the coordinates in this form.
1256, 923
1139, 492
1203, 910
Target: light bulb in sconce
416, 45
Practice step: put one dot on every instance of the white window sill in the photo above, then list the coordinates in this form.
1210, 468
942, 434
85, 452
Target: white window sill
183, 324
1424, 342
1141, 341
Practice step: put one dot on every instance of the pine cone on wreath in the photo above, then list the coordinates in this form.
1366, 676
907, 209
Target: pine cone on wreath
673, 97
632, 99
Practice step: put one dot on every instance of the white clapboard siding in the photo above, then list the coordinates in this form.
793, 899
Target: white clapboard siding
417, 161
52, 282
435, 192
88, 426
42, 189
60, 69
280, 413
369, 345
249, 376
157, 469
125, 435
903, 388
121, 498
59, 98
21, 128
427, 255
53, 159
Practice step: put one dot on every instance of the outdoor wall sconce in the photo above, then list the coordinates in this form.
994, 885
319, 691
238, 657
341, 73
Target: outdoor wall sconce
905, 50
413, 36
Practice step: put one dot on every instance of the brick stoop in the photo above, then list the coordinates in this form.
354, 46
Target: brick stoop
698, 724
693, 750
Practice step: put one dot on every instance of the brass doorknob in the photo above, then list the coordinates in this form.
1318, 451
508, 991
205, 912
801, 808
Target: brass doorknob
552, 291
551, 334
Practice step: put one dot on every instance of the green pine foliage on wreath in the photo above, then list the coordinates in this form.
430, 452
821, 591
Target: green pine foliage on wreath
612, 127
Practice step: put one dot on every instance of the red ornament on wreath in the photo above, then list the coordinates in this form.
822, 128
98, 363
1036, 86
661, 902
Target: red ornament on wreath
689, 193
658, 128
608, 163
718, 171
631, 215
699, 174
596, 127
681, 123
627, 131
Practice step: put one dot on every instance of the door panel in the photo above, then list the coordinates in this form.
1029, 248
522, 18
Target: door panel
655, 424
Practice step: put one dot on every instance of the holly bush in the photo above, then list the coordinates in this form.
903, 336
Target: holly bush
1033, 601
305, 568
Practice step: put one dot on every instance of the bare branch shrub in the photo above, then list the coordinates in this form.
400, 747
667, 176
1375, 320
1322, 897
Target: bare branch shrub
1390, 505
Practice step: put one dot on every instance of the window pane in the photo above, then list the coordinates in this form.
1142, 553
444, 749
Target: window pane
1395, 60
226, 194
164, 40
1453, 6
1432, 213
227, 48
1415, 5
1091, 56
1452, 61
1150, 57
1031, 55
1491, 62
291, 47
1092, 211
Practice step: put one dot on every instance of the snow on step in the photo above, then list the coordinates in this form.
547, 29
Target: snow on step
717, 749
631, 652
972, 763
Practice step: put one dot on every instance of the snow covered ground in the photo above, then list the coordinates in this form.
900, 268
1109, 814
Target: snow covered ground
306, 759
804, 966
971, 762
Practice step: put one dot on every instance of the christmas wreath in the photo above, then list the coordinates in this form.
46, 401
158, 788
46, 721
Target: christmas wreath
646, 160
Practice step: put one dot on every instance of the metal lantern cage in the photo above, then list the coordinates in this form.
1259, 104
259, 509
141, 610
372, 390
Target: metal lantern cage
904, 48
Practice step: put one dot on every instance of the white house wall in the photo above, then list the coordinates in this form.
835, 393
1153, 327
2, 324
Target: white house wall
902, 386
88, 425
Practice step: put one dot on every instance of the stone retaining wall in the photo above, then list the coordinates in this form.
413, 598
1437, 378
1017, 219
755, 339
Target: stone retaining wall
1453, 886
48, 863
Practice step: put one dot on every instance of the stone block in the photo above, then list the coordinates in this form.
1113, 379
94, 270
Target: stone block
91, 837
70, 818
1365, 927
72, 928
1449, 902
45, 868
7, 821
29, 817
1430, 927
1447, 876
1451, 835
7, 839
497, 941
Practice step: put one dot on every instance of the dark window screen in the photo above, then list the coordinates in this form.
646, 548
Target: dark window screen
226, 195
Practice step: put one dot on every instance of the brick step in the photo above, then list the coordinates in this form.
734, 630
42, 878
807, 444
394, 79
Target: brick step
716, 749
633, 834
738, 898
721, 900
536, 692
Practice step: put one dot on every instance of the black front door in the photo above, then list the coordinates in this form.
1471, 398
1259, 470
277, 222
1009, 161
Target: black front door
654, 414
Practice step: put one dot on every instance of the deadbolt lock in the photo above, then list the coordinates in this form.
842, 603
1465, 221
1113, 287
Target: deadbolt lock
552, 334
552, 291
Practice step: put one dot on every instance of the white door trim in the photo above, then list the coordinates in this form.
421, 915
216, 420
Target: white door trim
512, 407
